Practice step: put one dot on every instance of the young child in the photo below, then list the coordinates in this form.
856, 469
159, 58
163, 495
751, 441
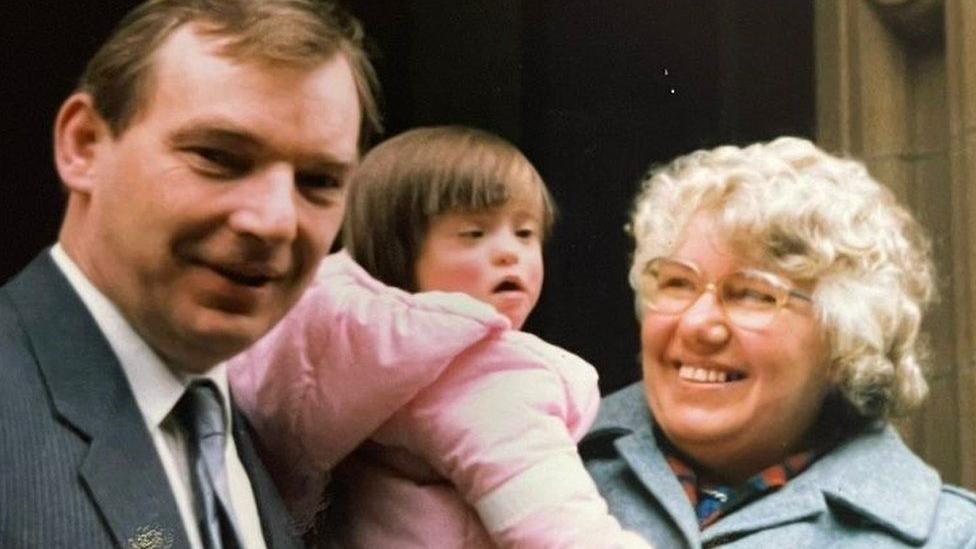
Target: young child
472, 423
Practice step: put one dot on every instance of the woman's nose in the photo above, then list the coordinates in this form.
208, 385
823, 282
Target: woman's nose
704, 322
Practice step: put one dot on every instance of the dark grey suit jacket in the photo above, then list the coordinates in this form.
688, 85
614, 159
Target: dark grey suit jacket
77, 465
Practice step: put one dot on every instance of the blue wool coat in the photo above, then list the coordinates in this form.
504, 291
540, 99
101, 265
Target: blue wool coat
870, 491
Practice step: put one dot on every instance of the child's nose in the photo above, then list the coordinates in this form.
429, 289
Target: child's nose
506, 250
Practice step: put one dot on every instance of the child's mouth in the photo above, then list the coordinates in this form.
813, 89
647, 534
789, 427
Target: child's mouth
508, 286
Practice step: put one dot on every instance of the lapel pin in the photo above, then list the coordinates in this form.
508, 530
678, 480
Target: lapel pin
151, 537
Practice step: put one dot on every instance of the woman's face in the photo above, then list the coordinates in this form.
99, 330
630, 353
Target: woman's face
775, 377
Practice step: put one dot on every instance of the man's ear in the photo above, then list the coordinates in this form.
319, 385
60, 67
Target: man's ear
79, 134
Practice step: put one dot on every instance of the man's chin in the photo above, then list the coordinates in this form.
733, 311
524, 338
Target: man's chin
203, 346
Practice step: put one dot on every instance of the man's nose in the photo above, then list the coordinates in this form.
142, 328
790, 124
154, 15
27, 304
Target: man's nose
704, 322
268, 210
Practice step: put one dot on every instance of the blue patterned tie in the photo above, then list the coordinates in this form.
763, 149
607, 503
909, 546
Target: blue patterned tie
202, 416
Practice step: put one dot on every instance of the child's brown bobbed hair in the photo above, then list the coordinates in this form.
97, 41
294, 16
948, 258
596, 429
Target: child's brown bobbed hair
409, 179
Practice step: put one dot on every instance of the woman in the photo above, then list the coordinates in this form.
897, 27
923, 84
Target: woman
780, 292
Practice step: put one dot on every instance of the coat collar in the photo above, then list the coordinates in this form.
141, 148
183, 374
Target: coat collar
794, 502
645, 459
878, 477
873, 475
89, 392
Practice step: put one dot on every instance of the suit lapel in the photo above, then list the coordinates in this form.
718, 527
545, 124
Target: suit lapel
279, 533
89, 391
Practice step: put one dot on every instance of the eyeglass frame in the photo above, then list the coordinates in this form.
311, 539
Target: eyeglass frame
784, 290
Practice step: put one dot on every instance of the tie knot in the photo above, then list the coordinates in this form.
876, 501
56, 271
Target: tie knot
200, 411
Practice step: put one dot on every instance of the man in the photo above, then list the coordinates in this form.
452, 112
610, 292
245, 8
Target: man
204, 156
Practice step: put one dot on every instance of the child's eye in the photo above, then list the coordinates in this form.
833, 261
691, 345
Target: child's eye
472, 233
525, 232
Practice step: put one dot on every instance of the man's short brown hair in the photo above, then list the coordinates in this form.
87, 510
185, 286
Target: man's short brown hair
294, 32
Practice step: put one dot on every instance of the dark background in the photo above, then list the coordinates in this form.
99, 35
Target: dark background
594, 92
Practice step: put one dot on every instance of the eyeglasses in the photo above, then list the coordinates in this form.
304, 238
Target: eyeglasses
750, 298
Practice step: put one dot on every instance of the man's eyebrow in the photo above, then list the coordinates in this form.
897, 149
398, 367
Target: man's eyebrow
235, 137
229, 136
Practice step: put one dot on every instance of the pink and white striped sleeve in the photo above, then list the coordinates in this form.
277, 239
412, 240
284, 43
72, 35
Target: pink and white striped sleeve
349, 354
502, 424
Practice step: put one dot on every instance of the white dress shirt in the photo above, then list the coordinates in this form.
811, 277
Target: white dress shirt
157, 388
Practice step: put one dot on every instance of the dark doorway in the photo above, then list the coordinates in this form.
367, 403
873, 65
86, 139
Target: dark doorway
594, 92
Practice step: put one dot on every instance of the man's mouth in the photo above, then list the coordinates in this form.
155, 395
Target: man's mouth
254, 276
705, 374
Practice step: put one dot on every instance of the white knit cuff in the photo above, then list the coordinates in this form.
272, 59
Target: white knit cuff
545, 484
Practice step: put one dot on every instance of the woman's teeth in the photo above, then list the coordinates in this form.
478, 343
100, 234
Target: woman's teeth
707, 375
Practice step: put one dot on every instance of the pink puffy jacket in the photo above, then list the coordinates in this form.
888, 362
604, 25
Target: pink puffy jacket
433, 376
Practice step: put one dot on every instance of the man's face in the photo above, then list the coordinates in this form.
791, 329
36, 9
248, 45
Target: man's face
209, 213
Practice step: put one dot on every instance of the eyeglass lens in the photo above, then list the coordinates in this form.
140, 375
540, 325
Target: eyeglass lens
750, 298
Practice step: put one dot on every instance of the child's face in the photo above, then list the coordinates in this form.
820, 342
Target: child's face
492, 255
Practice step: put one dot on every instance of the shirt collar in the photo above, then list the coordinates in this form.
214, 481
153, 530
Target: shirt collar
712, 502
156, 386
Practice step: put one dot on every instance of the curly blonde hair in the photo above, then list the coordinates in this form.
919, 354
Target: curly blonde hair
814, 217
